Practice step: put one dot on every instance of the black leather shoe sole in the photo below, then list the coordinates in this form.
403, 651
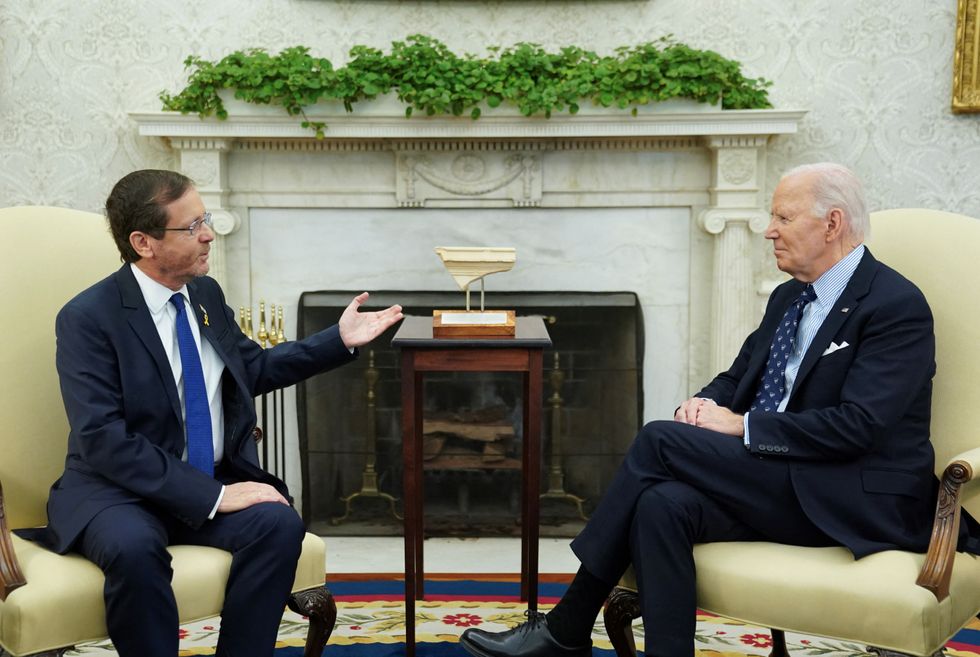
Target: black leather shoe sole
472, 649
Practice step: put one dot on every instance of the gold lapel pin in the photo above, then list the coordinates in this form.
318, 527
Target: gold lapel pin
205, 314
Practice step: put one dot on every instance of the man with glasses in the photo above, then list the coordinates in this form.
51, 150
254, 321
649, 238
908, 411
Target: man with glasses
817, 435
158, 384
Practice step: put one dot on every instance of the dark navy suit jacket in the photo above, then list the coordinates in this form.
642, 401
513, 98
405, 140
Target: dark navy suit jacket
127, 434
856, 426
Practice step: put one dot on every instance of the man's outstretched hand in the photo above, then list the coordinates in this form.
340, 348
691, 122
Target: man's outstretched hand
357, 328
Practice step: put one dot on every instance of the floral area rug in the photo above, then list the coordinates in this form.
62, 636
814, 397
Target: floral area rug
371, 623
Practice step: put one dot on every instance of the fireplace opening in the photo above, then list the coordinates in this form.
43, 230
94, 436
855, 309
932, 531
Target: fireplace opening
350, 421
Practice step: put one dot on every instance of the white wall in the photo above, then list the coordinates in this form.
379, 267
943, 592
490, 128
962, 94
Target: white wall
875, 75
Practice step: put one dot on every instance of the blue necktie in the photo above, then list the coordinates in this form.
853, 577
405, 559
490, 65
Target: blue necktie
200, 448
772, 388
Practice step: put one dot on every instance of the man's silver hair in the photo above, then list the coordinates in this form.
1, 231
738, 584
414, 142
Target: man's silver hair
836, 186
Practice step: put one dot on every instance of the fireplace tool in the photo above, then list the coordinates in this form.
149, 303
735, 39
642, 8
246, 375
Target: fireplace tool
275, 425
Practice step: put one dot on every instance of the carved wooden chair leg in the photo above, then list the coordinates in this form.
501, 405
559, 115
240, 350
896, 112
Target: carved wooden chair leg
778, 644
318, 605
622, 606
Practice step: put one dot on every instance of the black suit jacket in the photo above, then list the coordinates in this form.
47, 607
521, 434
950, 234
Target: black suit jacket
856, 426
127, 434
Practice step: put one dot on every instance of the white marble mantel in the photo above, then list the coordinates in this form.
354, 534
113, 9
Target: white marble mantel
665, 203
269, 123
727, 205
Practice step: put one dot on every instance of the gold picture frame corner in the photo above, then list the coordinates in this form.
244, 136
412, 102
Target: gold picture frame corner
966, 58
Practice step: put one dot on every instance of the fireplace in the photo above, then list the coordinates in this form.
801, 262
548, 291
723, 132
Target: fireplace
592, 403
664, 205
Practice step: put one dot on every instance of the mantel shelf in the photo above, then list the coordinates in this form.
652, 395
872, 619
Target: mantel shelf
613, 124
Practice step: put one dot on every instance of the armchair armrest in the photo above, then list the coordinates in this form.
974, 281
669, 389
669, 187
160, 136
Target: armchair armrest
10, 574
938, 566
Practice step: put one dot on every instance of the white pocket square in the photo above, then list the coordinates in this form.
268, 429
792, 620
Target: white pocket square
834, 347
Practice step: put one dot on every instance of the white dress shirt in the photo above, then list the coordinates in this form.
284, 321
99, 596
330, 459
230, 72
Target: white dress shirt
828, 289
164, 317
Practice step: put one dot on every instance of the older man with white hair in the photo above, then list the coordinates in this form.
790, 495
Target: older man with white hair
817, 435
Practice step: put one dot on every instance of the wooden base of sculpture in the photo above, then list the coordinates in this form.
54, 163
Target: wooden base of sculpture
473, 323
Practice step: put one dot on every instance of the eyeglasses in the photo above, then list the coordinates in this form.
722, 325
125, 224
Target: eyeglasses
204, 220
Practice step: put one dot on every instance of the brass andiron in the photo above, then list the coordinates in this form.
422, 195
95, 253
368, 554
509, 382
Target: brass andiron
556, 476
369, 477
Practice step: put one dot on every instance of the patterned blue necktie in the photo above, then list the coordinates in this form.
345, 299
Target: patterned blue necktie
197, 420
772, 388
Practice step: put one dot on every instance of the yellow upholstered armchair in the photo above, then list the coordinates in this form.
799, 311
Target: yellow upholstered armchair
50, 602
892, 601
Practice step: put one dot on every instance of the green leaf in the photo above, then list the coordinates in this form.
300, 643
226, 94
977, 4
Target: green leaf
426, 75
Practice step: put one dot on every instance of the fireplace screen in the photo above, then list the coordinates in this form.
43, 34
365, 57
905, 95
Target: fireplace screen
350, 421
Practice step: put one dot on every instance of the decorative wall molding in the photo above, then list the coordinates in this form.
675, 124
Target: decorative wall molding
467, 176
328, 145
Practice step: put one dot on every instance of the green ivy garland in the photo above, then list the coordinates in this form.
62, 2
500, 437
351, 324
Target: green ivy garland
429, 78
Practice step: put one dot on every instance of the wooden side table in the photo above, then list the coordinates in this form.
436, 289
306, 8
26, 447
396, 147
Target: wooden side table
421, 353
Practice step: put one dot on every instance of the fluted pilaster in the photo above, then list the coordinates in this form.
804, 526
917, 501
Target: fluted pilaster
735, 217
733, 303
205, 162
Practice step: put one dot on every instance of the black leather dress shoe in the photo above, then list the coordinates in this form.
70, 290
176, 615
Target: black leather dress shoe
530, 639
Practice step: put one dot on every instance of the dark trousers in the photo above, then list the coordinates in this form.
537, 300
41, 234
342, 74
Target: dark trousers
128, 542
677, 486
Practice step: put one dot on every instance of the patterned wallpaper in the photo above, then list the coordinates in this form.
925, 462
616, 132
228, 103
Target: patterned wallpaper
875, 75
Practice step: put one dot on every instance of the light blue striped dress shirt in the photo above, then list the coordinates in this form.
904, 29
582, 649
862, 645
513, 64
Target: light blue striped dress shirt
828, 289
